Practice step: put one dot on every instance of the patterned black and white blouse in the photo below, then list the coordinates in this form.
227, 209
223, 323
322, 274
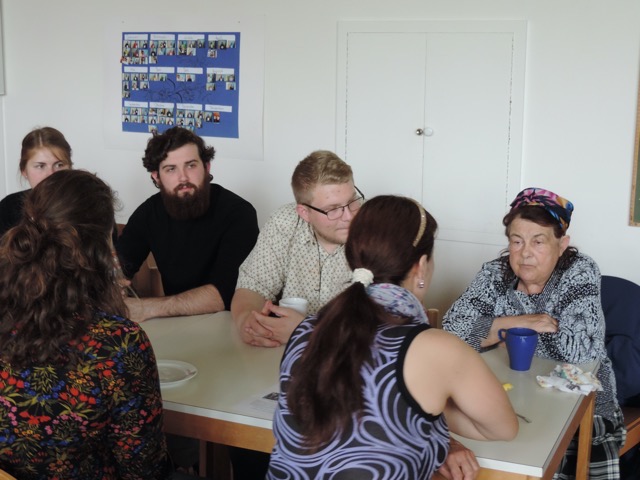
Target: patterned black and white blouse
571, 296
394, 437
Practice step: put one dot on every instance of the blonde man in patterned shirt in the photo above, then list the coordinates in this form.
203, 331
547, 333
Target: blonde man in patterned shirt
299, 253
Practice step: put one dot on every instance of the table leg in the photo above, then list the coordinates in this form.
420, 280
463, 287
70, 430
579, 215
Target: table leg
217, 464
585, 440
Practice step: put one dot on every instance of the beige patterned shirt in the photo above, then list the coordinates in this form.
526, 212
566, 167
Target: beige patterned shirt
287, 261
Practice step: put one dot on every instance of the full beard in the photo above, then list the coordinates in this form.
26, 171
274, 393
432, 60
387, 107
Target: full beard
187, 207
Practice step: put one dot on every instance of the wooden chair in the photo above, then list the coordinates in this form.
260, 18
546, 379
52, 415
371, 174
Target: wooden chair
5, 476
147, 281
632, 422
621, 306
433, 314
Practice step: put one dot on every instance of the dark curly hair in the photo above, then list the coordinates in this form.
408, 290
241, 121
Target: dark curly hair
57, 269
160, 145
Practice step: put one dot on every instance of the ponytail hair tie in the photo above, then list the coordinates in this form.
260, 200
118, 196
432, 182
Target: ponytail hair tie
363, 276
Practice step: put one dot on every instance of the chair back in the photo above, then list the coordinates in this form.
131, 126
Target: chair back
621, 306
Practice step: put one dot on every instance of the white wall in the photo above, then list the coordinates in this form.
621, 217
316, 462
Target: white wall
580, 102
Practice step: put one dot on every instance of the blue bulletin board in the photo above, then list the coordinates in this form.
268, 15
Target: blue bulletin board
187, 79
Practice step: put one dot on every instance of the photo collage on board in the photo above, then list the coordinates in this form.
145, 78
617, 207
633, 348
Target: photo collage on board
185, 79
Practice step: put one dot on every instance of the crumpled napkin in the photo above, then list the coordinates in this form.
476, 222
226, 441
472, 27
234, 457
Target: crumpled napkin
569, 378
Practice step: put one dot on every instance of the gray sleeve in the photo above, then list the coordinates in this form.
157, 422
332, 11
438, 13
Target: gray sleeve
471, 316
577, 307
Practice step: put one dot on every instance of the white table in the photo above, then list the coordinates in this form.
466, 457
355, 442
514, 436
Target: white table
213, 405
555, 417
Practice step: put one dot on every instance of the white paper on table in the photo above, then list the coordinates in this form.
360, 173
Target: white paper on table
262, 404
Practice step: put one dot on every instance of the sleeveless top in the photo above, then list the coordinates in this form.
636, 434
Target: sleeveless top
394, 438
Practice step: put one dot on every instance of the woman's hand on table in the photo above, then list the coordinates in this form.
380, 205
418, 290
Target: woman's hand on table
540, 322
460, 464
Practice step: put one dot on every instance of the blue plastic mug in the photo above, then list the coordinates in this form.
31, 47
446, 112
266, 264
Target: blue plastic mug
521, 345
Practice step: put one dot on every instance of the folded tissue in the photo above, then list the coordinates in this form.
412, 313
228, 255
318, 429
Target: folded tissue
569, 378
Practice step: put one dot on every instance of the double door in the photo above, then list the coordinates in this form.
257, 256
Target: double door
433, 110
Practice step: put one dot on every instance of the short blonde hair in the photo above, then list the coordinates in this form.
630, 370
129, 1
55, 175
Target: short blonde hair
321, 167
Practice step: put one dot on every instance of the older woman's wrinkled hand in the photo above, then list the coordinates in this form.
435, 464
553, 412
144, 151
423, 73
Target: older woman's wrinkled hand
541, 323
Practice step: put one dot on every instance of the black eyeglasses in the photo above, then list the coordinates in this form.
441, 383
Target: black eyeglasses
336, 213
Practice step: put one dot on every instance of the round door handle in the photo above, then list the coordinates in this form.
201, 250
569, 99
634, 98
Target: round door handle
427, 132
419, 131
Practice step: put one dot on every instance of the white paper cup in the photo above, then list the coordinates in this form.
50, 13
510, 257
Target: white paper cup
298, 304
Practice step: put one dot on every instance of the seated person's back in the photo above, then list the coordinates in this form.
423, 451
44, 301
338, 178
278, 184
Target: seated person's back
363, 388
80, 391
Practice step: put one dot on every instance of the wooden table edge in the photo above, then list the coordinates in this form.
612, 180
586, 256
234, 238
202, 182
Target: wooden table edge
219, 431
583, 423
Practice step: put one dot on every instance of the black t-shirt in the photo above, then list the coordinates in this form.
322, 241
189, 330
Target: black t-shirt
191, 253
11, 210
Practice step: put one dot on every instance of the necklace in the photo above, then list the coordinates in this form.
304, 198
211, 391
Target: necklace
321, 262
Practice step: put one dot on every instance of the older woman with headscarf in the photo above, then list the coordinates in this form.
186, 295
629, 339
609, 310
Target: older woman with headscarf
543, 283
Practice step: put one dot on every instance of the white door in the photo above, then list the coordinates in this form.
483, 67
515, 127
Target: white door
385, 106
433, 110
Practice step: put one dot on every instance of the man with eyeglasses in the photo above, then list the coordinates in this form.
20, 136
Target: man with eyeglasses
299, 253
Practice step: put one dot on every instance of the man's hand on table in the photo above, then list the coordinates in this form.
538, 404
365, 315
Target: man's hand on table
262, 330
136, 308
460, 464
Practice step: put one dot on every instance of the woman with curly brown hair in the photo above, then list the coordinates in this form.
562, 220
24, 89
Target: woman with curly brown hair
79, 390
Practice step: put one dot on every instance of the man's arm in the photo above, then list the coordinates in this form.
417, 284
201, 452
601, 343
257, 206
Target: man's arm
262, 275
256, 325
204, 299
244, 307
